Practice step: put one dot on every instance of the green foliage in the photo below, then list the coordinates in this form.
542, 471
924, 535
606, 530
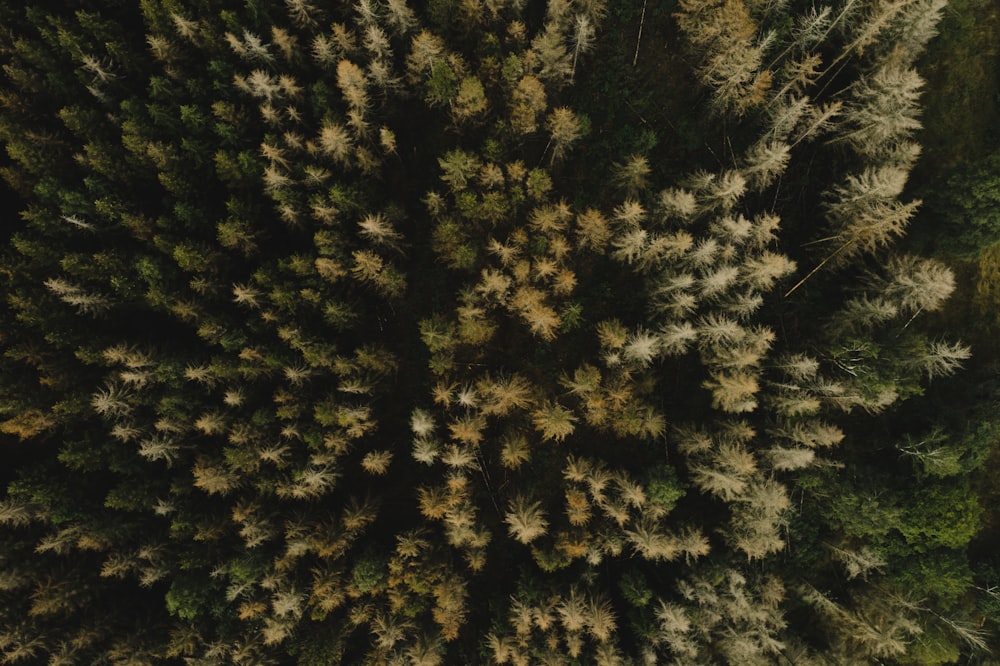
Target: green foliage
962, 104
549, 560
442, 85
323, 318
987, 580
968, 207
191, 597
935, 647
940, 574
635, 588
664, 489
369, 574
940, 516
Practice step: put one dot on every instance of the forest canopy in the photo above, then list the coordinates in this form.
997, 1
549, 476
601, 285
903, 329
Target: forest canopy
459, 332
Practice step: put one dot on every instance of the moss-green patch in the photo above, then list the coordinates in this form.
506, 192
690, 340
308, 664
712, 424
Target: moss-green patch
962, 106
987, 288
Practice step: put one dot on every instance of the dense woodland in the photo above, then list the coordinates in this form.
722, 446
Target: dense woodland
499, 332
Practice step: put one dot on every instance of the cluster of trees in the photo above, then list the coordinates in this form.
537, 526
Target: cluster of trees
321, 347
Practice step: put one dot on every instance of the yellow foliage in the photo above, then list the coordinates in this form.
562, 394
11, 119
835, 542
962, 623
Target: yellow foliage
27, 424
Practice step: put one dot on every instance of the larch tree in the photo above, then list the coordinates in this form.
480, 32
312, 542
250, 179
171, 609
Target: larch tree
525, 520
286, 268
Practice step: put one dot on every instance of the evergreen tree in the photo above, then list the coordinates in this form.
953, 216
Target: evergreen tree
322, 319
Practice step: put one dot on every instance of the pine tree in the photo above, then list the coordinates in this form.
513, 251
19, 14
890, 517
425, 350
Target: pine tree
632, 175
721, 33
651, 544
379, 231
528, 101
335, 141
758, 518
581, 38
377, 462
84, 301
28, 424
859, 562
600, 619
789, 459
351, 80
525, 520
883, 109
916, 285
160, 448
554, 63
641, 348
554, 421
505, 394
515, 451
733, 392
766, 161
725, 484
919, 24
18, 512
943, 359
565, 129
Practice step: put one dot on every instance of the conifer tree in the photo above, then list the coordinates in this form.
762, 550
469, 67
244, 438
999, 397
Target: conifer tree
237, 224
526, 520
